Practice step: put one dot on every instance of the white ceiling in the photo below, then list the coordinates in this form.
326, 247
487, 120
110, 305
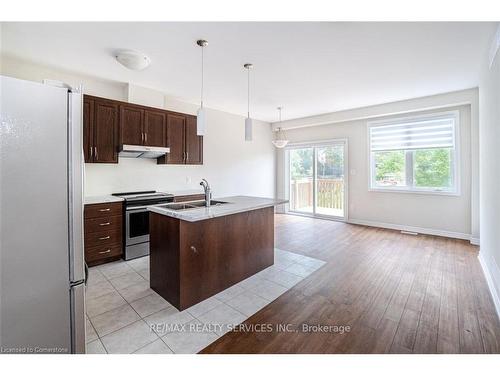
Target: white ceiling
309, 68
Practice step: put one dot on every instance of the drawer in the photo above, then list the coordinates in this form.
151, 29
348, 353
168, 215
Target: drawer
99, 224
103, 210
104, 238
187, 198
94, 254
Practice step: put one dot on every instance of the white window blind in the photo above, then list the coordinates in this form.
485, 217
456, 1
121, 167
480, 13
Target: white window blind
411, 134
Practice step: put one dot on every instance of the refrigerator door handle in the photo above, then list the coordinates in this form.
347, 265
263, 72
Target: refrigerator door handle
75, 186
86, 274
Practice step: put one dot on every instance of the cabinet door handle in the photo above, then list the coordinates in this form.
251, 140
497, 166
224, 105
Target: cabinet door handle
105, 238
187, 155
105, 252
95, 153
194, 249
105, 209
146, 137
103, 224
91, 152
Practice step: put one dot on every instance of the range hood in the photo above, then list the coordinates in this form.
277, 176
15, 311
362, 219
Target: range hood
146, 152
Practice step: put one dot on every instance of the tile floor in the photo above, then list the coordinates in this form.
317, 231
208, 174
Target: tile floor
125, 316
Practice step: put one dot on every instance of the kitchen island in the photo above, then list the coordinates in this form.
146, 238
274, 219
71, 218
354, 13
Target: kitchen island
197, 252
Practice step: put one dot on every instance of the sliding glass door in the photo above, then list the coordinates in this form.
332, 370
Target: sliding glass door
302, 180
317, 183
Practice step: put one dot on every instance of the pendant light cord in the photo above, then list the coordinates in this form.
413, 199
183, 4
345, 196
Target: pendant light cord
202, 76
248, 103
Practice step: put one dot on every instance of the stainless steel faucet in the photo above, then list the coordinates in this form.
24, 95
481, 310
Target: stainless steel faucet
208, 192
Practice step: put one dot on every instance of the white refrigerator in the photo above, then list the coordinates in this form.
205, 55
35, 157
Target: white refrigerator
42, 268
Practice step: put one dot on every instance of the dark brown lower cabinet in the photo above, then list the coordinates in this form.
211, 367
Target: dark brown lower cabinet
191, 261
103, 229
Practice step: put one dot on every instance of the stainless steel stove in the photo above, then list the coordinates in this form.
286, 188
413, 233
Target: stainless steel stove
137, 220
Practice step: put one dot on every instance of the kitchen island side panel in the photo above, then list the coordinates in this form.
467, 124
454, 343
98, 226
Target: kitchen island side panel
164, 257
212, 254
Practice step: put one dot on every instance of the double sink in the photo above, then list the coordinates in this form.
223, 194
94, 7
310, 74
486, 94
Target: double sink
191, 205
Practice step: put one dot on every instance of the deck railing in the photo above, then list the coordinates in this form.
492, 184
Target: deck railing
330, 193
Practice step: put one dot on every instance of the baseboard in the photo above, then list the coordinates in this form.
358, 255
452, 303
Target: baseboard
434, 232
492, 278
474, 241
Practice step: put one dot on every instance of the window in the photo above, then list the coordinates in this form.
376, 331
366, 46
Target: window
414, 154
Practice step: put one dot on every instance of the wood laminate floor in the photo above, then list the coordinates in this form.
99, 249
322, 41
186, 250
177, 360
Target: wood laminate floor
397, 293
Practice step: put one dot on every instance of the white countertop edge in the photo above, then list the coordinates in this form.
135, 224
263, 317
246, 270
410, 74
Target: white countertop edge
96, 199
233, 207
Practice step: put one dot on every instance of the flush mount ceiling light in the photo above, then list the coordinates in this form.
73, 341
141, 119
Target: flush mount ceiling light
134, 60
200, 119
280, 140
248, 120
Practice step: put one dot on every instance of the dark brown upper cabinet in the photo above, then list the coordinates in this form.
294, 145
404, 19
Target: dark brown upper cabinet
155, 128
88, 127
107, 124
194, 143
100, 130
185, 146
142, 126
131, 125
176, 130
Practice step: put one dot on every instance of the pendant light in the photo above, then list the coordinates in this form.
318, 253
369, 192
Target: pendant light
248, 120
280, 140
200, 119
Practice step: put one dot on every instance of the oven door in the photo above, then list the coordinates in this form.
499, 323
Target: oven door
137, 225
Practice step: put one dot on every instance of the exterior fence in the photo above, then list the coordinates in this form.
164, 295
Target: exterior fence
330, 193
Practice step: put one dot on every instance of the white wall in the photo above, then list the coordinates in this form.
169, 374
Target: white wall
438, 214
231, 165
489, 135
30, 71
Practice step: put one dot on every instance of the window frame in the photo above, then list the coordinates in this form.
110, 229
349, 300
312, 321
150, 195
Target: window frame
410, 156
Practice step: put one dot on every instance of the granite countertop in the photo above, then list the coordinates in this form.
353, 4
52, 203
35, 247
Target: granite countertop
235, 205
102, 199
